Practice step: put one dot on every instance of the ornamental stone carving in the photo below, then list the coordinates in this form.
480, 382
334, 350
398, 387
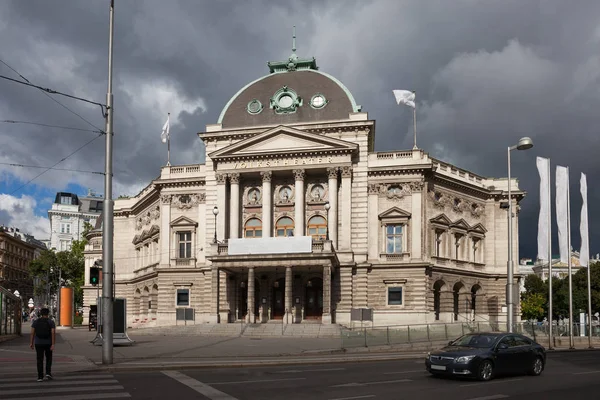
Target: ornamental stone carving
155, 214
416, 186
332, 172
299, 174
346, 171
165, 199
374, 188
187, 201
456, 204
439, 200
266, 176
221, 178
395, 191
234, 178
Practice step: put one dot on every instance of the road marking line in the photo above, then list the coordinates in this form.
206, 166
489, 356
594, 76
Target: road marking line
492, 382
586, 372
404, 372
63, 383
353, 384
355, 397
492, 397
46, 389
56, 379
202, 388
295, 371
77, 396
256, 381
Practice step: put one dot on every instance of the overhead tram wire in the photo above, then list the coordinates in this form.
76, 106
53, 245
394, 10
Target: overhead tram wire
53, 99
10, 121
52, 168
49, 168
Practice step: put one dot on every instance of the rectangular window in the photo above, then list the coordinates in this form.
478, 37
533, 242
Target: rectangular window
183, 297
68, 228
62, 228
395, 296
185, 244
393, 235
65, 200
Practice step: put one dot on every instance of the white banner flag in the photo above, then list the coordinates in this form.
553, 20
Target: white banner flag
584, 252
562, 213
405, 97
165, 130
543, 166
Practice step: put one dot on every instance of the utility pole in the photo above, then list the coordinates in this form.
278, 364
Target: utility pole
107, 223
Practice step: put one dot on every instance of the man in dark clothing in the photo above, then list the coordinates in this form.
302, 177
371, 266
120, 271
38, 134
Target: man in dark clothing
43, 337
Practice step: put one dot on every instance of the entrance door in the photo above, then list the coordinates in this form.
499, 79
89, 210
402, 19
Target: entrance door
313, 299
278, 300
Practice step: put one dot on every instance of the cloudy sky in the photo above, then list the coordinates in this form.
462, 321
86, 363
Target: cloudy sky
486, 73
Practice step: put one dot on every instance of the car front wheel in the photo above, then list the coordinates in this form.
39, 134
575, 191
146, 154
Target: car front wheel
485, 371
537, 367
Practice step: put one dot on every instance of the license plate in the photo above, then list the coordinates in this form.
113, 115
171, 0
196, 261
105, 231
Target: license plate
439, 367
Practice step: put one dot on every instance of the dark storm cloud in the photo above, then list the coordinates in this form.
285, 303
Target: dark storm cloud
486, 73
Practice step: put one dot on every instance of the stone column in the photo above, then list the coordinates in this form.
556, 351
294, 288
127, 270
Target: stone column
374, 229
221, 204
267, 199
346, 207
416, 220
326, 319
165, 230
214, 298
234, 219
299, 203
332, 216
288, 296
251, 317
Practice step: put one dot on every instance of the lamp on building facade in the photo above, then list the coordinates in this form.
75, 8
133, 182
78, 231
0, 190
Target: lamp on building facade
215, 213
525, 143
327, 207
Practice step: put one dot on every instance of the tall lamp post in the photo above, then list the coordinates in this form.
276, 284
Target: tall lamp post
327, 207
525, 143
215, 213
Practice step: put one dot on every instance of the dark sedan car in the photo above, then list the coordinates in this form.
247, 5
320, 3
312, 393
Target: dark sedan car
485, 355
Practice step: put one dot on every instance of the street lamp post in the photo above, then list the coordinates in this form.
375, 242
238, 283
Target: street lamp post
525, 143
327, 207
215, 213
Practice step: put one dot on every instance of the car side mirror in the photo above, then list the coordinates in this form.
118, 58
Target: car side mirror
502, 346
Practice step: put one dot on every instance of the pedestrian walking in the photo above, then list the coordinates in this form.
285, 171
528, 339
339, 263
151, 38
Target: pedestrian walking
43, 337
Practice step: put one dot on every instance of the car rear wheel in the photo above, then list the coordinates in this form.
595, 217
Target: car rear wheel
485, 371
537, 367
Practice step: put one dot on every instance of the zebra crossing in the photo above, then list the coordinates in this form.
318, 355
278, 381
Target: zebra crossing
84, 387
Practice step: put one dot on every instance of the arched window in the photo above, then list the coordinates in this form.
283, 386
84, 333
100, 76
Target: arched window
317, 227
284, 227
253, 228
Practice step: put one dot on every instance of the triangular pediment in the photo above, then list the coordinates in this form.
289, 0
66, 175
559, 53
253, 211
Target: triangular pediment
441, 220
183, 221
461, 224
479, 228
394, 212
283, 140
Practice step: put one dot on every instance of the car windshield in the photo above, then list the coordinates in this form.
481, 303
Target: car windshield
481, 341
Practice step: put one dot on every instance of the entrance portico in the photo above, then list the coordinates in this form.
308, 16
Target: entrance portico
290, 288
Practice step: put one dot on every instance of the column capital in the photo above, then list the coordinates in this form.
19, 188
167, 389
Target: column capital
234, 177
346, 171
266, 176
374, 188
299, 174
221, 178
166, 198
332, 172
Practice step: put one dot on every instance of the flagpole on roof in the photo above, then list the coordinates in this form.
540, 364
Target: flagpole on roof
415, 123
166, 137
407, 98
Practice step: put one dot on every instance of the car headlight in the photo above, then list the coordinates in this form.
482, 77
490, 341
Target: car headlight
464, 359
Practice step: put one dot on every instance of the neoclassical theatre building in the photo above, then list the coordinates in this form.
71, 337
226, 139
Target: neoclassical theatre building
294, 217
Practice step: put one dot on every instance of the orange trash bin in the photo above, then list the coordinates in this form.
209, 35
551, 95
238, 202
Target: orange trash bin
66, 306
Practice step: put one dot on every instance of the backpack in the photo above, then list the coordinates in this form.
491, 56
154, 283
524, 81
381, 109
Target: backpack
42, 328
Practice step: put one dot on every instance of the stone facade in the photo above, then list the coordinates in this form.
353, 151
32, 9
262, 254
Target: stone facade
304, 222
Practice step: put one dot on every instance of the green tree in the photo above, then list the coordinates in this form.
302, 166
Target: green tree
44, 269
532, 306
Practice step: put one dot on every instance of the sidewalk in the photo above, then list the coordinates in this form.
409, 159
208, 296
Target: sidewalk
75, 353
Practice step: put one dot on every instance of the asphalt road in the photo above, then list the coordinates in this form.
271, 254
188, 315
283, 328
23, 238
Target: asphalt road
566, 375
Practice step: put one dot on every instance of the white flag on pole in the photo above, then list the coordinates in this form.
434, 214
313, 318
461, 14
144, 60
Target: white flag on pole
584, 252
405, 97
562, 194
165, 130
543, 166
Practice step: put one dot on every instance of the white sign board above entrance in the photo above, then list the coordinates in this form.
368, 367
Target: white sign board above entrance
274, 245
